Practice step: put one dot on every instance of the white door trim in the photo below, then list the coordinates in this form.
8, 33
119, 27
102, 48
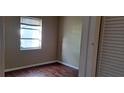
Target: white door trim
83, 50
89, 45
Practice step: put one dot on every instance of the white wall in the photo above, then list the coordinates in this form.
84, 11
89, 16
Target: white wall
70, 29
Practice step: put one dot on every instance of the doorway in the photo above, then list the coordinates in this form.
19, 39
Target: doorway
68, 54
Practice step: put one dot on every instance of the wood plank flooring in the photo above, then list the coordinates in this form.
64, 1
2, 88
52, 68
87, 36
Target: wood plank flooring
50, 70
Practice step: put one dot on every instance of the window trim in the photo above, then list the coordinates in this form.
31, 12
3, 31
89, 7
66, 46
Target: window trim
30, 48
40, 40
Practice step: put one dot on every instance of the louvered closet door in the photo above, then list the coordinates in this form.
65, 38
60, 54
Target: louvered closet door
110, 60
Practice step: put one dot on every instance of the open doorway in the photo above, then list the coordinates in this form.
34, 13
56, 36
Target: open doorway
60, 51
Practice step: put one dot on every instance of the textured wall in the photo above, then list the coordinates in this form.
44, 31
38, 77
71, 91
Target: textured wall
16, 58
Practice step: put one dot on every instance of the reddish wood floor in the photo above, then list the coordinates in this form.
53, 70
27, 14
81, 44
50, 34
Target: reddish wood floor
51, 70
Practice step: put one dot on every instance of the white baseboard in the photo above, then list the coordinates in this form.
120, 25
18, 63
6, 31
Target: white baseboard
64, 63
38, 64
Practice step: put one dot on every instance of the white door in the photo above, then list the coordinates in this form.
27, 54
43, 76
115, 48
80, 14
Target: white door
89, 44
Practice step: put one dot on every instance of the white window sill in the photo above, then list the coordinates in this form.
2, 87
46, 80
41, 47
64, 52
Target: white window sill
28, 49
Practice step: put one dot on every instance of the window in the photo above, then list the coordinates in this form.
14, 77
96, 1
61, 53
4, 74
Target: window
30, 33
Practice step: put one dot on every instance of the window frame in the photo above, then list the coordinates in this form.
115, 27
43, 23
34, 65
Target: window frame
40, 40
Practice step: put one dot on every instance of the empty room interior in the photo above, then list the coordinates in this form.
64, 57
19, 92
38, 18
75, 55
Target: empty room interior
62, 46
42, 46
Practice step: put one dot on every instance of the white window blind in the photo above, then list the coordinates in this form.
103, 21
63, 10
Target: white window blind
111, 48
30, 33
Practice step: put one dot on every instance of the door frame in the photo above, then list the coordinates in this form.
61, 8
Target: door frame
89, 46
2, 46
